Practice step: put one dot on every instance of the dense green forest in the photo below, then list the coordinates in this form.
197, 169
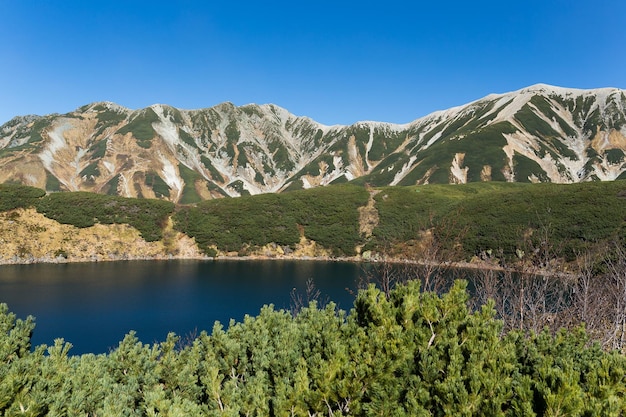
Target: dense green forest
407, 352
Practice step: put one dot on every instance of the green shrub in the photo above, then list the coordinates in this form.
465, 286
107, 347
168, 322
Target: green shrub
405, 353
232, 224
82, 209
504, 217
327, 215
14, 196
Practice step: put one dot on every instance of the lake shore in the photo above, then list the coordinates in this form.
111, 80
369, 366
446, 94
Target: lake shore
28, 237
476, 265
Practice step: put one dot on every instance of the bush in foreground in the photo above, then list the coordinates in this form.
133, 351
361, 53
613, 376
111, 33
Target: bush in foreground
408, 353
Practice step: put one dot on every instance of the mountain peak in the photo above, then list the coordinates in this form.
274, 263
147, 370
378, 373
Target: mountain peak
102, 106
564, 91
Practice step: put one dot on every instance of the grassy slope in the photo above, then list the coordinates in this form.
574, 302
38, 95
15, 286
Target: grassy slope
83, 209
328, 216
508, 219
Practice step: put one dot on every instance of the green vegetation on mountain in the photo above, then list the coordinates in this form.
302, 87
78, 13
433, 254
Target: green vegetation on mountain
513, 221
239, 187
82, 209
251, 110
405, 353
232, 132
173, 114
107, 116
38, 126
52, 183
526, 168
140, 126
214, 173
437, 158
384, 143
280, 155
329, 216
90, 170
160, 187
187, 138
14, 196
615, 156
505, 218
189, 176
111, 186
532, 122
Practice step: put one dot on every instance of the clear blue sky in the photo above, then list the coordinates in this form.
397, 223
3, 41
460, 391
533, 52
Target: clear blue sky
336, 62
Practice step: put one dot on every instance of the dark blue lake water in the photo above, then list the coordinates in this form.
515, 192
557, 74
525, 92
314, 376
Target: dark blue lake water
93, 305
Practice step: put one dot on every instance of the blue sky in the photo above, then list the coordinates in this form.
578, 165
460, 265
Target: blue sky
336, 62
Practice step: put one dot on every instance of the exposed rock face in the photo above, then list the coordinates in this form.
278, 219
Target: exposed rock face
368, 215
28, 236
540, 133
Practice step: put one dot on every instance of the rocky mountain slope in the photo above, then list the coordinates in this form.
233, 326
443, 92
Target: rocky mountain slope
537, 134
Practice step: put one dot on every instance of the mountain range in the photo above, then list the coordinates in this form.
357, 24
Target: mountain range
540, 133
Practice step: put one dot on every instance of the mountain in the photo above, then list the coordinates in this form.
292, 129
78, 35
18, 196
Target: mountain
538, 134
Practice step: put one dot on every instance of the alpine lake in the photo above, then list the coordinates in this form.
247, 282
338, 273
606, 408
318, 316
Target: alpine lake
94, 305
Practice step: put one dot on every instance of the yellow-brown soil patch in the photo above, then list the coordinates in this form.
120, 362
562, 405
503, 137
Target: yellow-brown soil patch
28, 236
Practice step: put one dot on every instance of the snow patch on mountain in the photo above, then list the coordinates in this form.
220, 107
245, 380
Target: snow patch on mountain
458, 171
171, 177
166, 128
508, 111
56, 143
406, 168
109, 166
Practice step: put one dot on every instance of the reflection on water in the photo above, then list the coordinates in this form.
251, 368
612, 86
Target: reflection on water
93, 305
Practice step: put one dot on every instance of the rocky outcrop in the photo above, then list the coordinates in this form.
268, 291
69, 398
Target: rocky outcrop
27, 236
